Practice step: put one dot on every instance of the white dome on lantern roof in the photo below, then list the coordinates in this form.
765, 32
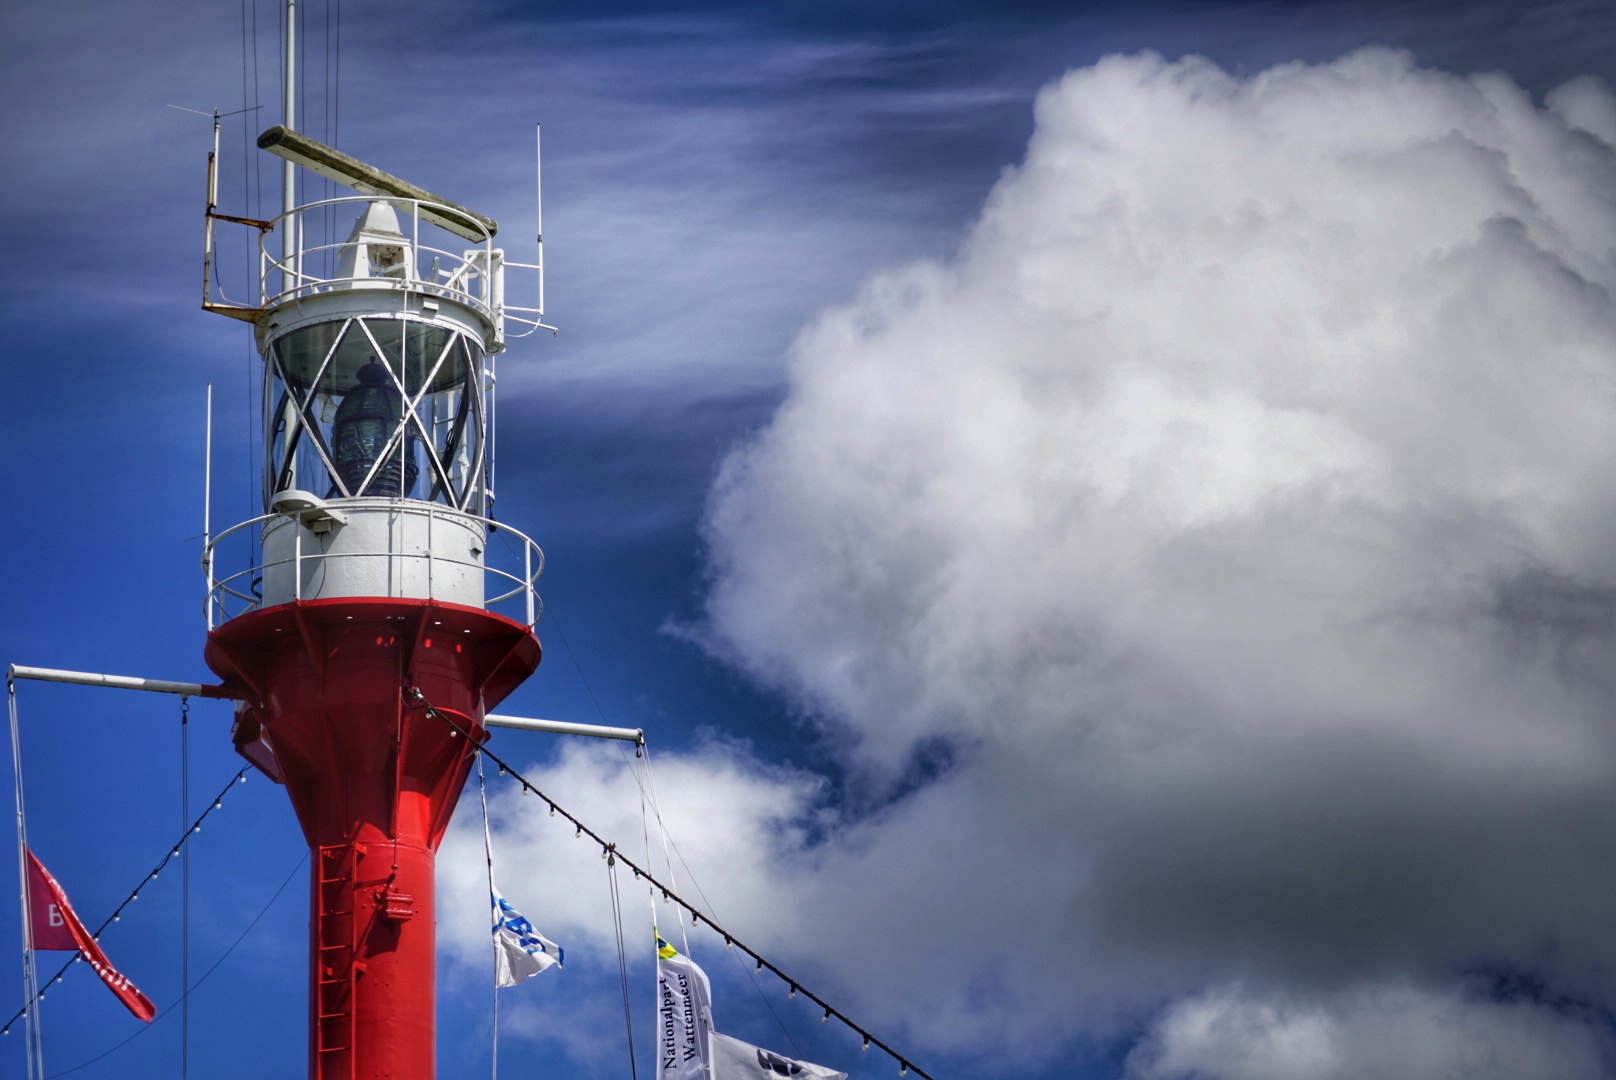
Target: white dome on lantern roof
376, 248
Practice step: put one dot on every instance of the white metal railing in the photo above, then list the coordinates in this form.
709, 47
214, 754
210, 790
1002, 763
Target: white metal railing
530, 317
472, 276
234, 595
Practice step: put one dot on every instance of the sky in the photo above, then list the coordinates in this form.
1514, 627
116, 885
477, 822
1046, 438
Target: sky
1104, 514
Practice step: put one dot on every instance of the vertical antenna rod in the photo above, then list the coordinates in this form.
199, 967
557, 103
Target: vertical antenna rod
207, 473
538, 204
288, 170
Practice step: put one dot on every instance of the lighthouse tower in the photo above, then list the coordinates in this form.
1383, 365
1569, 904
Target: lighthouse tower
374, 580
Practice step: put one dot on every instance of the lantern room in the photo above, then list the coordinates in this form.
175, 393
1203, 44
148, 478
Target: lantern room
374, 381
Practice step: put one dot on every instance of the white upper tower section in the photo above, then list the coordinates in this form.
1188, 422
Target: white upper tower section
378, 396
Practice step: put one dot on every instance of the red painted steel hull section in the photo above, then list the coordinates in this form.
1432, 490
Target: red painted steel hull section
374, 781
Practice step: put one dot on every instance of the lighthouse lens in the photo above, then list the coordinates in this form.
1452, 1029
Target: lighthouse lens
364, 426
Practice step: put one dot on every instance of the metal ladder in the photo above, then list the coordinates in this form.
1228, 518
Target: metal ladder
334, 1022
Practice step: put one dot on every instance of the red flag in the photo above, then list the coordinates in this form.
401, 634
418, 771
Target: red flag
54, 926
45, 918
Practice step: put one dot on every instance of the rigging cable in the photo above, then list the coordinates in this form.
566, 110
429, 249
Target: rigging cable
730, 940
196, 827
667, 839
667, 856
326, 190
645, 780
622, 957
215, 967
493, 916
185, 887
645, 836
643, 783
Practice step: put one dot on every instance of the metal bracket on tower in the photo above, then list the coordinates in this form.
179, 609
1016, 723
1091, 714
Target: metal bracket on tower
310, 510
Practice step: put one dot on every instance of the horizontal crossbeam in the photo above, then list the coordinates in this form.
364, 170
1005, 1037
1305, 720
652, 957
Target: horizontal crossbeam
117, 682
189, 689
562, 727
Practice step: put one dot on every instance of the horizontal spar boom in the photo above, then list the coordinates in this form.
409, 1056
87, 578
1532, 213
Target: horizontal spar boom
562, 727
117, 682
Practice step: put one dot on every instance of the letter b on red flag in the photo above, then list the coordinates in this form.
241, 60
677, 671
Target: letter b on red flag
50, 929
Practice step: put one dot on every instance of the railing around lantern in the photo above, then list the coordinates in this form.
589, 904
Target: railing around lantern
472, 276
236, 594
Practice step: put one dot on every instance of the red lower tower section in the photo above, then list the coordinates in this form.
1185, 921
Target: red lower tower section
373, 780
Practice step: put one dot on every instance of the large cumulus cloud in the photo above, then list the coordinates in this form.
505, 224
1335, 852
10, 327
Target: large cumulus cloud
1238, 507
1217, 558
1382, 1033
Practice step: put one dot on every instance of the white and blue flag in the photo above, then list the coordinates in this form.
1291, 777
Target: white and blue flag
520, 952
737, 1060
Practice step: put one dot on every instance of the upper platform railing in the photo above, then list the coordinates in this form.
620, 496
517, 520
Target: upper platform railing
471, 276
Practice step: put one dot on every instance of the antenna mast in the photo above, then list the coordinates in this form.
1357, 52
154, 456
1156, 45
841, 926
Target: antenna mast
289, 239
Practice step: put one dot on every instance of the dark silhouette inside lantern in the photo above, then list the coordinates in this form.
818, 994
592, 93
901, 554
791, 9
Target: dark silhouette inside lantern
365, 424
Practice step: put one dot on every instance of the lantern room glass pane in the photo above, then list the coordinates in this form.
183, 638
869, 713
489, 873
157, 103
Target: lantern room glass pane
336, 405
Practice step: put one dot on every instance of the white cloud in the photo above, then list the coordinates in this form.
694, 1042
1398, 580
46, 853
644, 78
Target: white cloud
733, 819
1366, 1033
1238, 510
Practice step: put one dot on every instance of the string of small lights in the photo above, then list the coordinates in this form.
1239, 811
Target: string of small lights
609, 851
167, 1010
173, 853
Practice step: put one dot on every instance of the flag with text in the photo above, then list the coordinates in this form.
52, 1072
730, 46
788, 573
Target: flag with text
684, 1016
53, 925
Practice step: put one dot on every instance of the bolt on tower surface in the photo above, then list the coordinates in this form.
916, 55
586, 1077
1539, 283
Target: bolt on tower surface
374, 574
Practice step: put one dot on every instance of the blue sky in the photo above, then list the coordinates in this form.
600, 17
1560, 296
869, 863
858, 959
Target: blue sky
793, 259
